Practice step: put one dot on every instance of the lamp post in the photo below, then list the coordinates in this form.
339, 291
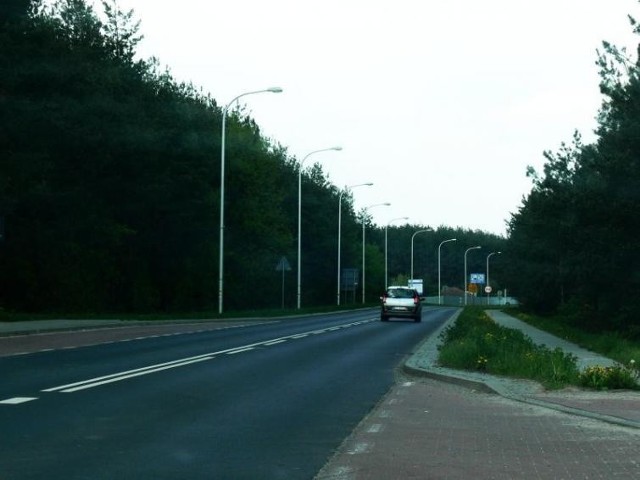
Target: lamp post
364, 218
488, 284
299, 294
439, 286
465, 271
412, 237
222, 147
386, 274
340, 228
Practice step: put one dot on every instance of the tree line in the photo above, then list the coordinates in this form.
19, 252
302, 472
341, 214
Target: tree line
574, 244
110, 182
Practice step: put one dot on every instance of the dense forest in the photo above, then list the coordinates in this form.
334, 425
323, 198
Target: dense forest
574, 245
110, 187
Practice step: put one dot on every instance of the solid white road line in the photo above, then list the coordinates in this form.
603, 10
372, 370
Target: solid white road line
124, 377
116, 377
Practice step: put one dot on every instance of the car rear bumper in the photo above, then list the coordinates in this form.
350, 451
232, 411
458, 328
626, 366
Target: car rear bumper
400, 311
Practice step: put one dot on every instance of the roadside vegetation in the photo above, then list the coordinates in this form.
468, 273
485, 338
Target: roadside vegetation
475, 342
611, 344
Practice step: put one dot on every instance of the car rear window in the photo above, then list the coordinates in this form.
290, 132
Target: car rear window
400, 293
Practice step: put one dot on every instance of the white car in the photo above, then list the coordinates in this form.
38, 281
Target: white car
401, 302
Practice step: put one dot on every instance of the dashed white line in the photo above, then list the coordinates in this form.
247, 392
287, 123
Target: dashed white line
359, 448
17, 400
375, 428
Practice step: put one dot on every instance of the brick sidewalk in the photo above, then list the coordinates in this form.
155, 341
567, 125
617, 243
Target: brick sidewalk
429, 429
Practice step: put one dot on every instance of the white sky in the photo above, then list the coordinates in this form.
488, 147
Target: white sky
441, 104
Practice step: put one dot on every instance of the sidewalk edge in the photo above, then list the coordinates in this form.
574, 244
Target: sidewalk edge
427, 351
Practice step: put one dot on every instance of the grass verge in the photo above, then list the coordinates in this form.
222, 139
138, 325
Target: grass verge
475, 342
610, 344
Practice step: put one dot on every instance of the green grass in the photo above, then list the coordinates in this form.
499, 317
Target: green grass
613, 345
475, 342
609, 344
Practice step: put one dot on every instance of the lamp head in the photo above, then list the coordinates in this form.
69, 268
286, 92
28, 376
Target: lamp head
274, 89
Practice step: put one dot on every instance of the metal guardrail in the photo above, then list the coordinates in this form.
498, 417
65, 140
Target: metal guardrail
453, 301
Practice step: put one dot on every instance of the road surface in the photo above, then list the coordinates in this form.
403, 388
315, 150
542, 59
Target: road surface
257, 402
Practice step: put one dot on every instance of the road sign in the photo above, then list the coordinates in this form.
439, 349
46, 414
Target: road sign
487, 289
416, 284
283, 265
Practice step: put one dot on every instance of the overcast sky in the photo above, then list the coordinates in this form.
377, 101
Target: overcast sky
441, 104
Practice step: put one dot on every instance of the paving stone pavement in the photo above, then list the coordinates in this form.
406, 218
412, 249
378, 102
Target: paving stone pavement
429, 429
438, 423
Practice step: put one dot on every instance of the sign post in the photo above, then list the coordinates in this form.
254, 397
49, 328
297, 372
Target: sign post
282, 266
487, 290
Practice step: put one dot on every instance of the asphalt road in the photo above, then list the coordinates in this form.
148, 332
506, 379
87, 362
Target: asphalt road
257, 402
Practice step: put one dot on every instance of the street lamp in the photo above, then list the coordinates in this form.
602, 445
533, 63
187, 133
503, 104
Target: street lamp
222, 147
340, 228
488, 284
465, 271
386, 275
299, 294
412, 237
364, 217
439, 287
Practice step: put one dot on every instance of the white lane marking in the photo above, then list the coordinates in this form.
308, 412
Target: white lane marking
300, 335
126, 374
116, 377
124, 377
240, 350
17, 400
340, 473
375, 428
360, 447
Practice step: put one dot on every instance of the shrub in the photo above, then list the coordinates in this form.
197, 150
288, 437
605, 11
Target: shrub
610, 378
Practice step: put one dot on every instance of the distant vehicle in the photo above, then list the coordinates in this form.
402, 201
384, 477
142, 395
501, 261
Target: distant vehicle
401, 302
